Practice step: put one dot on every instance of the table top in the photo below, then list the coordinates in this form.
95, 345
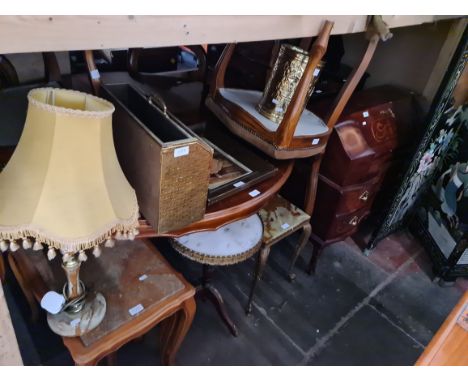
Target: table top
235, 207
131, 273
449, 347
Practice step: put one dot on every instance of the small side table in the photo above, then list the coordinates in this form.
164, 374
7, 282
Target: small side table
280, 219
130, 274
230, 244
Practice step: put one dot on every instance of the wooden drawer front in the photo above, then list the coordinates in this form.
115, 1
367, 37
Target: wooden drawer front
356, 197
346, 224
348, 158
341, 200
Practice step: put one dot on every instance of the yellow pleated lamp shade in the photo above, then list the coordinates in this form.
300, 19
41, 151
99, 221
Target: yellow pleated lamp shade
63, 186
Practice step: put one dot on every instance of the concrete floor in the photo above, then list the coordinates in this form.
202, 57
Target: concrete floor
357, 310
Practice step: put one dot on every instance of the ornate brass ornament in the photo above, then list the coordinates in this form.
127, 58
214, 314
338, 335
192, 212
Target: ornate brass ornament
284, 79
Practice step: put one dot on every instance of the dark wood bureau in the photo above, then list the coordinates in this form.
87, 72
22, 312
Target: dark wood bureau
364, 146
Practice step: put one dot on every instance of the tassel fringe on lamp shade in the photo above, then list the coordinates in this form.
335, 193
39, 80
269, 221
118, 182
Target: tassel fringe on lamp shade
63, 188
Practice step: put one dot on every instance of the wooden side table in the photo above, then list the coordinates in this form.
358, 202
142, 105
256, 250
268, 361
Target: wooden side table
130, 274
449, 347
231, 244
280, 219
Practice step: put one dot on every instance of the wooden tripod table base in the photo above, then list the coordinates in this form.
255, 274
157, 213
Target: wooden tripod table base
141, 291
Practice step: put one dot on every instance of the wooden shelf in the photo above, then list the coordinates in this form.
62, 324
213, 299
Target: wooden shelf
58, 33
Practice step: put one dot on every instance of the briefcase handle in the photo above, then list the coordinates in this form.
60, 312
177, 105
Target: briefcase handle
157, 100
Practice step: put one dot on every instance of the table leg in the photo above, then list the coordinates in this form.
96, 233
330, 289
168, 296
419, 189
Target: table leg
206, 290
306, 230
316, 252
166, 328
215, 297
311, 186
111, 359
182, 322
261, 262
24, 287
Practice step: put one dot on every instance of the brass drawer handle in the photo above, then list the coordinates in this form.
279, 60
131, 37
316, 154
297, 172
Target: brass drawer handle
354, 221
364, 196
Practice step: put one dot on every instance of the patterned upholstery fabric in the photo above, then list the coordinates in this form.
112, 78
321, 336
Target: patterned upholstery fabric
229, 244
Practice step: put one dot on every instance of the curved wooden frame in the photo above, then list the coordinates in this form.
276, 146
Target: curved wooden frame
134, 56
51, 69
284, 136
8, 74
234, 208
92, 68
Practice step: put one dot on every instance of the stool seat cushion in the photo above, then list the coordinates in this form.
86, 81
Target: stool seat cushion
281, 218
229, 244
308, 125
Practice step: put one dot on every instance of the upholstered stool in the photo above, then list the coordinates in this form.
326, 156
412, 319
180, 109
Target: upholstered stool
230, 244
280, 219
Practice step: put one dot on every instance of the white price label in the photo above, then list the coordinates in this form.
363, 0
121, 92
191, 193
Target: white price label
52, 302
239, 184
279, 109
135, 310
316, 72
365, 114
364, 123
181, 151
275, 101
285, 226
95, 74
254, 193
315, 141
143, 277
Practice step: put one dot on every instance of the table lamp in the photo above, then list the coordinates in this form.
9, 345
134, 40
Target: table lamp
63, 192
